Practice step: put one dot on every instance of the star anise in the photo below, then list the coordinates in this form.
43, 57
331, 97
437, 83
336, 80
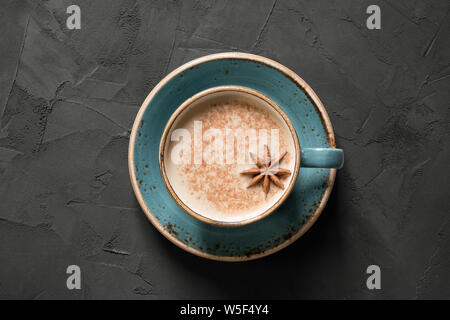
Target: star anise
267, 170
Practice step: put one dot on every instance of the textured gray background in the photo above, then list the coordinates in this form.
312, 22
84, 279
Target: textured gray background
68, 99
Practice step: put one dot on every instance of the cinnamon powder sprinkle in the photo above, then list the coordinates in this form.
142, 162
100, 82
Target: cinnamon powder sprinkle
221, 185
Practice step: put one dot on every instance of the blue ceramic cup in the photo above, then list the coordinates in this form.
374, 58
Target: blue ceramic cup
303, 157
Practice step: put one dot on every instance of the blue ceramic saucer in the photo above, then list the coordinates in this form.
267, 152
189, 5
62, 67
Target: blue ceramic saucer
282, 227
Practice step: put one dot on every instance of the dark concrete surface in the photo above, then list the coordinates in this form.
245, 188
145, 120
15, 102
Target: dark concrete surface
68, 99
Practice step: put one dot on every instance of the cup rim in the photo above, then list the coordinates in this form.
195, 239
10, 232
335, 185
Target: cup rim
185, 105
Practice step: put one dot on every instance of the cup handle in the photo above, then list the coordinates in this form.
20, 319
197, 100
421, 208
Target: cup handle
322, 158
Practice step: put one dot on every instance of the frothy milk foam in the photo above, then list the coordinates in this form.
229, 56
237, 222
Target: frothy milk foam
211, 183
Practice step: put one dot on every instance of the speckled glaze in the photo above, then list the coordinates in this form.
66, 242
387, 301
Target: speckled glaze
311, 190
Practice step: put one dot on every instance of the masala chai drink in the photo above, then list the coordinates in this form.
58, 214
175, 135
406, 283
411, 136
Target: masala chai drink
229, 155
